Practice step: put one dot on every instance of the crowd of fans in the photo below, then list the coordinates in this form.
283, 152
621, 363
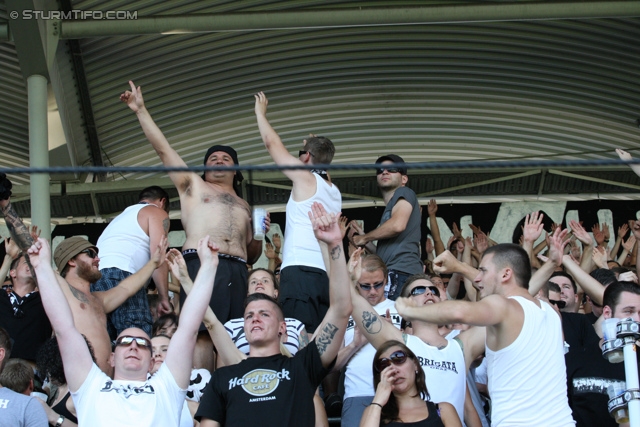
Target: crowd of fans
370, 328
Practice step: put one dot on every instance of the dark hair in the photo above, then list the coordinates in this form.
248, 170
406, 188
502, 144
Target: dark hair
17, 375
620, 270
613, 293
390, 409
551, 286
514, 257
162, 321
49, 360
568, 276
264, 297
603, 275
322, 149
276, 286
155, 193
420, 276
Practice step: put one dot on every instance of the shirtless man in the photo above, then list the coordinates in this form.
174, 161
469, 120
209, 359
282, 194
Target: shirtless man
77, 260
209, 205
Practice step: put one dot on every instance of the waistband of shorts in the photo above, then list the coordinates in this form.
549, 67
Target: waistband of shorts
220, 255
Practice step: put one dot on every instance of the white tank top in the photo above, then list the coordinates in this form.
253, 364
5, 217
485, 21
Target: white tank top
444, 371
300, 245
123, 244
527, 379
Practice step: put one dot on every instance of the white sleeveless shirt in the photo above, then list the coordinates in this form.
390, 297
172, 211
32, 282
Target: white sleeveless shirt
123, 244
527, 379
300, 244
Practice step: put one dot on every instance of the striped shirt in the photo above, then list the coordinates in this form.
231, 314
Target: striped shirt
235, 329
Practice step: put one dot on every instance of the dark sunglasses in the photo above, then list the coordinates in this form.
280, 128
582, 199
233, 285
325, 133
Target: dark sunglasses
303, 152
126, 341
91, 253
390, 170
397, 358
419, 290
366, 287
560, 304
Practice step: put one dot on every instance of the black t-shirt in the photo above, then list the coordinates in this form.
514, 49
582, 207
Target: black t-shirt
433, 420
29, 328
588, 375
578, 331
275, 390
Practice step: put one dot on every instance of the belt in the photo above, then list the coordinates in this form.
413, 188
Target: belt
220, 255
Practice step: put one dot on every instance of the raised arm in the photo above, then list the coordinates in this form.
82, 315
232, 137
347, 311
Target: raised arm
432, 209
73, 348
556, 243
531, 232
117, 295
179, 358
375, 329
304, 183
626, 156
622, 232
11, 253
588, 284
448, 264
395, 225
168, 156
331, 331
587, 244
159, 223
227, 350
635, 229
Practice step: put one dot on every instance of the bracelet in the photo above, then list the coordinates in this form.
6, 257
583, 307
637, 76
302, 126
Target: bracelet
374, 403
60, 421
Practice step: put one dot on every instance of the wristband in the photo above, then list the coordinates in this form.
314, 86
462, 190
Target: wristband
374, 403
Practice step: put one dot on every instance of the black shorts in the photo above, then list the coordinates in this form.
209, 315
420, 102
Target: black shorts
304, 294
229, 288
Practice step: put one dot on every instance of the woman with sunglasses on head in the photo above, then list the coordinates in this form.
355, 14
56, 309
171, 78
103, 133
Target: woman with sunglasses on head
401, 393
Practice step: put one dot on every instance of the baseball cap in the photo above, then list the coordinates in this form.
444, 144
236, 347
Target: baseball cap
395, 159
230, 151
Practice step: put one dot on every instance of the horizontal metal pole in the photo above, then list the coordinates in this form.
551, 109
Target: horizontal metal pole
251, 21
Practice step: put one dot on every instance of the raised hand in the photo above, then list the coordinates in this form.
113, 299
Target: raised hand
270, 252
277, 242
598, 234
623, 154
261, 104
599, 257
432, 207
133, 98
160, 254
325, 224
629, 244
428, 246
623, 230
581, 234
11, 248
178, 266
635, 228
456, 231
481, 242
354, 265
39, 252
556, 243
445, 263
532, 228
208, 252
343, 226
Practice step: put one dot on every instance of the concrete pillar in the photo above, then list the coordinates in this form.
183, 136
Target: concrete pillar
39, 153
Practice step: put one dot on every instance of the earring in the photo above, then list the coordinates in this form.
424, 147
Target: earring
416, 372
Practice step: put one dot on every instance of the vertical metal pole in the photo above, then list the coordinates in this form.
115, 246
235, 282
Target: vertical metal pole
39, 153
631, 375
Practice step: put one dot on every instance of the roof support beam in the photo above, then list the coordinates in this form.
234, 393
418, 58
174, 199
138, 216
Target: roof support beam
249, 21
589, 178
479, 183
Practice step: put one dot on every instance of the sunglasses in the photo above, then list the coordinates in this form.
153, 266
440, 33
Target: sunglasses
366, 287
560, 304
303, 152
397, 358
91, 253
419, 290
390, 170
127, 340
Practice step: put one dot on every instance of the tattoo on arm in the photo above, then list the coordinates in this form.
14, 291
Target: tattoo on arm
371, 322
303, 338
79, 295
19, 232
165, 224
335, 252
326, 337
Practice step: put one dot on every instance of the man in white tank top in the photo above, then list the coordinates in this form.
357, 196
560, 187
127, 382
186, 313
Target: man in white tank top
524, 347
304, 283
125, 247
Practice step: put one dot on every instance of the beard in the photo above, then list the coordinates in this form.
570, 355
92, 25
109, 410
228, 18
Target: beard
85, 271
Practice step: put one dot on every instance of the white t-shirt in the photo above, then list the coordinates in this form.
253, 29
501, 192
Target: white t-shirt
101, 401
235, 329
358, 379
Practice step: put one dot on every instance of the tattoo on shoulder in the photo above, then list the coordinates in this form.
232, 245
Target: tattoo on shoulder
326, 337
165, 224
335, 252
79, 295
371, 322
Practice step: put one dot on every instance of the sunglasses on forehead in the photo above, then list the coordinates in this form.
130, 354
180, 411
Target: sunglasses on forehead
126, 341
379, 171
397, 358
367, 287
419, 290
91, 253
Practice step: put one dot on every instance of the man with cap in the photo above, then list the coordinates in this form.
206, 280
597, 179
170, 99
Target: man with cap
77, 261
398, 235
209, 205
304, 283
